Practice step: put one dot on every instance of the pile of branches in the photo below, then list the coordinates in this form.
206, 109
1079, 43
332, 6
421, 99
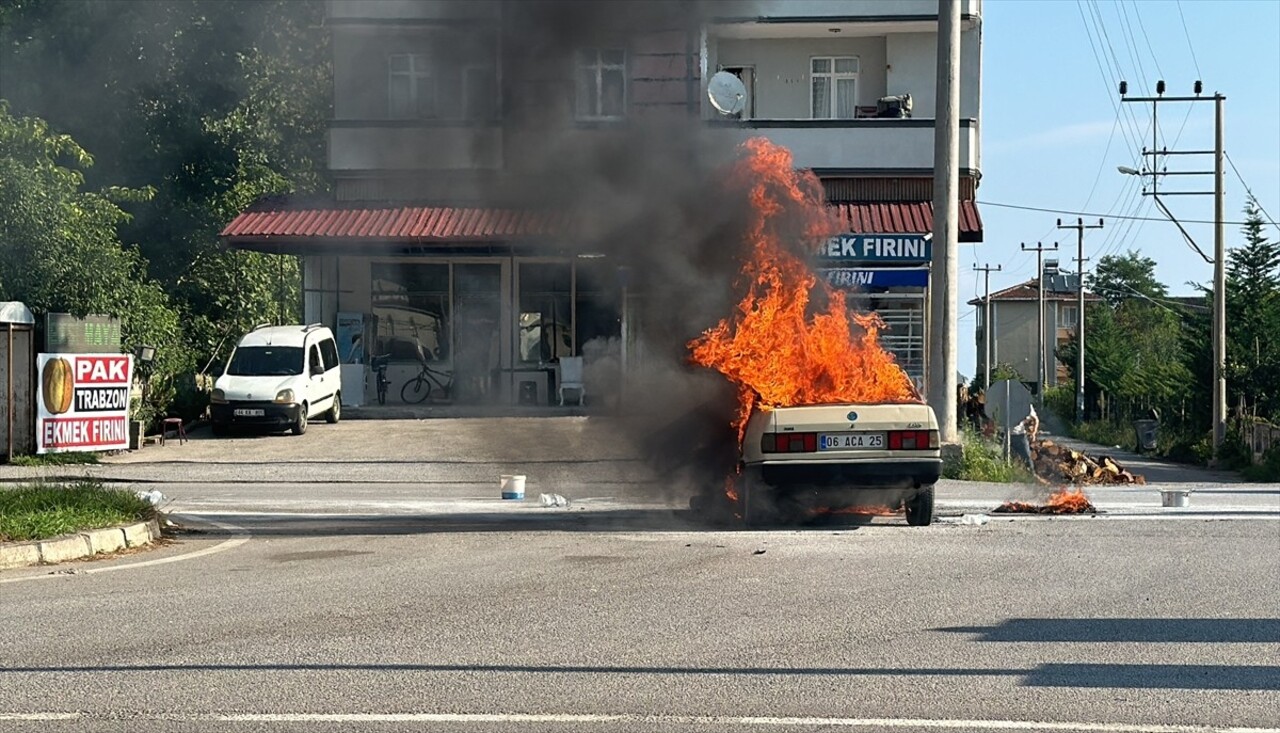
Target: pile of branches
1063, 465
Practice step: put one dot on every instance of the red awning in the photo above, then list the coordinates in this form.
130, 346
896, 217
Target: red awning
264, 225
895, 217
393, 224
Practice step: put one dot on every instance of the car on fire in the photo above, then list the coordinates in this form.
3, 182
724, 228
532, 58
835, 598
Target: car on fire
832, 457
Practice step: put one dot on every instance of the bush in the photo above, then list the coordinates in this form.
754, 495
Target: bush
982, 460
1105, 432
1266, 472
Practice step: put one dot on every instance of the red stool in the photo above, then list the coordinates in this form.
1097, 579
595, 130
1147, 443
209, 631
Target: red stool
173, 423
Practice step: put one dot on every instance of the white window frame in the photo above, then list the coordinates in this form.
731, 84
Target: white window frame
834, 76
598, 67
419, 68
1063, 309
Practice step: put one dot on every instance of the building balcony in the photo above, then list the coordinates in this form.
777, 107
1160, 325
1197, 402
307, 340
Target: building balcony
865, 146
406, 145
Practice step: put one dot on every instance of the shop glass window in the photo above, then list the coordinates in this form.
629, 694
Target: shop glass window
598, 317
834, 87
411, 305
545, 314
601, 75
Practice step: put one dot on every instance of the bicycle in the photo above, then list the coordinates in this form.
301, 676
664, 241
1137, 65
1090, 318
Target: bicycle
419, 388
379, 364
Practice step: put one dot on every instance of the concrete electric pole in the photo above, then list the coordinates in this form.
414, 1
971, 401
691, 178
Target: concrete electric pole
1154, 171
1080, 226
946, 249
1040, 249
986, 320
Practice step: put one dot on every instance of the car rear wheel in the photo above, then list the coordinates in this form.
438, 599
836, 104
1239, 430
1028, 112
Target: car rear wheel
300, 425
920, 508
335, 413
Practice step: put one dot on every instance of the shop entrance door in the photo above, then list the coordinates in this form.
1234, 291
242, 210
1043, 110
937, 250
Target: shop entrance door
477, 311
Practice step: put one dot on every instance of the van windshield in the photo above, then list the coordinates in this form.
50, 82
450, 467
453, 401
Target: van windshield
266, 361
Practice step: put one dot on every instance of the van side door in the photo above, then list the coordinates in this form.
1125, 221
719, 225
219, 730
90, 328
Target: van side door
319, 390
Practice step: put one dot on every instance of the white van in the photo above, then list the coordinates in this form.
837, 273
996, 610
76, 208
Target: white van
279, 377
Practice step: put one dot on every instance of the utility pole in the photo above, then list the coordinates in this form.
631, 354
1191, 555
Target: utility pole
986, 320
1155, 171
1080, 226
946, 249
1040, 249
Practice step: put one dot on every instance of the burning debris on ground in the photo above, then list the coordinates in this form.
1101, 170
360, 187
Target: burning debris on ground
1063, 501
1058, 464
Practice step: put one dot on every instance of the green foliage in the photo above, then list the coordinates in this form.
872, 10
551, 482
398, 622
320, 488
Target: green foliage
192, 110
40, 511
1268, 471
59, 250
982, 460
1120, 278
55, 459
1105, 432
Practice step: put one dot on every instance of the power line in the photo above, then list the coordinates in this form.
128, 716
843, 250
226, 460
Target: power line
1114, 58
1187, 33
1108, 79
1142, 26
1250, 191
1107, 216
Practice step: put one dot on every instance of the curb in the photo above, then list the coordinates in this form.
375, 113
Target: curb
75, 546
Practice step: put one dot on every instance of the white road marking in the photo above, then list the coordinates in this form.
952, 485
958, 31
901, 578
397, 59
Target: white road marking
242, 536
661, 720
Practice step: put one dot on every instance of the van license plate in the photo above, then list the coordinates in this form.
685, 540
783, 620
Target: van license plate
247, 412
850, 441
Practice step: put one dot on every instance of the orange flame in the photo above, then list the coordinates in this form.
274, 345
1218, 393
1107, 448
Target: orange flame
780, 348
1063, 501
869, 511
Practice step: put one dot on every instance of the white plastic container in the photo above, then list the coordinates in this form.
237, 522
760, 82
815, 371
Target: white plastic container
512, 486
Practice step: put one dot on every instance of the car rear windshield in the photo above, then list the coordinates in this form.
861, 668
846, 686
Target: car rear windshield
266, 361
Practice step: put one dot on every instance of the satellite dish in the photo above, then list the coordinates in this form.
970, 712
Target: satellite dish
727, 93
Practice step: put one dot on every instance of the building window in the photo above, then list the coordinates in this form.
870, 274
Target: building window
411, 305
1067, 315
411, 89
546, 318
834, 87
601, 83
748, 76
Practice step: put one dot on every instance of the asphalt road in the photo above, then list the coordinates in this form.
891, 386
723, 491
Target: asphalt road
422, 602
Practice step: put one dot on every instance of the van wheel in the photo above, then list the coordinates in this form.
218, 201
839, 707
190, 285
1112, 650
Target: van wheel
335, 413
920, 508
300, 425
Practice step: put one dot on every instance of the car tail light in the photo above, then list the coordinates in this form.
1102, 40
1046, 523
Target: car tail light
789, 443
913, 439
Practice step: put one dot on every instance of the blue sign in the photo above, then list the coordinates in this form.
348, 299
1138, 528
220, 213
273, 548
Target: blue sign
848, 277
878, 248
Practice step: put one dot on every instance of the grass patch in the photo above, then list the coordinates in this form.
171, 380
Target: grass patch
983, 460
1106, 433
56, 459
40, 511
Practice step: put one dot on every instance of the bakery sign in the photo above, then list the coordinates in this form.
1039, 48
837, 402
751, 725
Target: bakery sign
83, 403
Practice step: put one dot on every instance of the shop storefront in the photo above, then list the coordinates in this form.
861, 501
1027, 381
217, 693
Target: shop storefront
886, 274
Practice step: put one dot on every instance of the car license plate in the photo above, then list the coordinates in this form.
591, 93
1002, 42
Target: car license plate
248, 412
850, 441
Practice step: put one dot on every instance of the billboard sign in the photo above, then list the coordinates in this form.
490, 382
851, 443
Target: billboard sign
896, 248
66, 334
83, 403
847, 278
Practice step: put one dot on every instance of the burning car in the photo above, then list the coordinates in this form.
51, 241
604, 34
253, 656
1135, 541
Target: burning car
840, 456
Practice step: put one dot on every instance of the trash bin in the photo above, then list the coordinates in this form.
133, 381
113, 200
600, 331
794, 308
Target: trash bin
1148, 432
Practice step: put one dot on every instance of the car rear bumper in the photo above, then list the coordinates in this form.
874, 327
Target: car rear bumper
832, 474
272, 414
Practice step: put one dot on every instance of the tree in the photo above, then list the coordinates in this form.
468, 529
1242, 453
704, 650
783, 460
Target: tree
211, 105
59, 251
1118, 278
1253, 317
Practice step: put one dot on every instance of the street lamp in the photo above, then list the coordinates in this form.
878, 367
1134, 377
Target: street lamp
1128, 171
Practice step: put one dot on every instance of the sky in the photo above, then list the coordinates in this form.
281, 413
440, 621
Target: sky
1054, 131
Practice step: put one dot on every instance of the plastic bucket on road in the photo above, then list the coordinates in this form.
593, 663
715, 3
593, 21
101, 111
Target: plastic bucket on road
1175, 497
512, 486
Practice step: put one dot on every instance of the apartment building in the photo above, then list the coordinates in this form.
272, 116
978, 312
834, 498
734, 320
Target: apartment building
445, 236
